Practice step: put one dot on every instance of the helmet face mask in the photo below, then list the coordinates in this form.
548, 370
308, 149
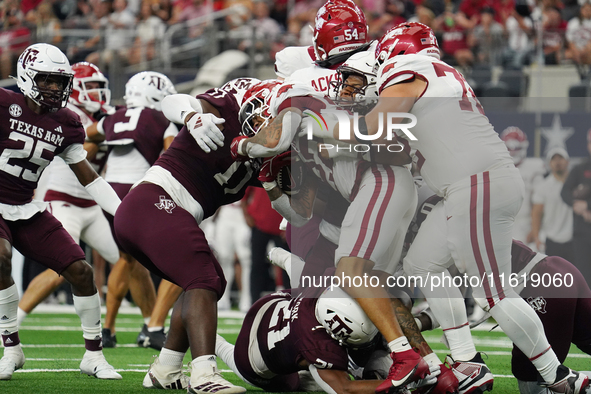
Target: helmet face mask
516, 141
355, 86
255, 111
44, 76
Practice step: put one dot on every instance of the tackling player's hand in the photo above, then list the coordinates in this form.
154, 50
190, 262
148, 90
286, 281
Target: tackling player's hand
272, 165
203, 127
234, 149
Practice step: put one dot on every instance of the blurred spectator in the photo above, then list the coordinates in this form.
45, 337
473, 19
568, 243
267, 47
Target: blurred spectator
149, 31
519, 28
162, 9
191, 10
81, 16
118, 33
391, 17
264, 221
553, 36
578, 36
279, 12
454, 40
487, 38
28, 5
503, 10
576, 192
47, 25
423, 15
550, 214
302, 15
14, 38
265, 30
468, 15
80, 48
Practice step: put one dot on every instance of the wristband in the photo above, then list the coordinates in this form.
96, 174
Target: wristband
268, 186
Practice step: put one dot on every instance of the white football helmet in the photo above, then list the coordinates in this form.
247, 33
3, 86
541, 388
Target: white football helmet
45, 64
343, 318
148, 89
517, 143
366, 96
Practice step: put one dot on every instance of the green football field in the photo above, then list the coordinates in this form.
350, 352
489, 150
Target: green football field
54, 347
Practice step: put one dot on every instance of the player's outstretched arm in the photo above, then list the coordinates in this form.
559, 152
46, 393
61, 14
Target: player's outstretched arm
273, 139
97, 187
201, 119
338, 382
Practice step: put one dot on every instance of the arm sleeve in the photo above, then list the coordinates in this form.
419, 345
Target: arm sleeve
323, 385
176, 107
100, 126
73, 154
104, 195
283, 207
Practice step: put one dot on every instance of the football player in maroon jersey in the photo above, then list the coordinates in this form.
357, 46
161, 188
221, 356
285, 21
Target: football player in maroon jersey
33, 129
158, 224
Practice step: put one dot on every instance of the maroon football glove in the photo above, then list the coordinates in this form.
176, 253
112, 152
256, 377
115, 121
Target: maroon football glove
272, 165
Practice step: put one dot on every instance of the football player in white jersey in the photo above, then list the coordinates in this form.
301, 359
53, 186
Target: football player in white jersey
462, 159
340, 31
383, 199
532, 171
68, 200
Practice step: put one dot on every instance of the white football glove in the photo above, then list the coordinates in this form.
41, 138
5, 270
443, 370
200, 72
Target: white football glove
203, 127
428, 380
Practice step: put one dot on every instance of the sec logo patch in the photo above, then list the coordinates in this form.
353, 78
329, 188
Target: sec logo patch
15, 110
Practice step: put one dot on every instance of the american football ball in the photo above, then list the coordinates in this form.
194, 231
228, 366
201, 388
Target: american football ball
378, 365
290, 178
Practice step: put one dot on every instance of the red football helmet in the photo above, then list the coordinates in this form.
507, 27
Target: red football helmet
340, 27
517, 143
407, 38
255, 110
93, 98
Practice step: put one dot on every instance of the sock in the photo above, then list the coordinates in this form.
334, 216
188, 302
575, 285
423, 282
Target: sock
20, 316
432, 359
523, 326
203, 365
89, 310
154, 329
460, 342
171, 358
8, 313
419, 324
399, 345
146, 320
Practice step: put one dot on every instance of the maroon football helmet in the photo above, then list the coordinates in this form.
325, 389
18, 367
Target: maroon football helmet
340, 27
405, 39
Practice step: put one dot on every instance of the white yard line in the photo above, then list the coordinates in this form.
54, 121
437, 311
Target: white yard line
119, 329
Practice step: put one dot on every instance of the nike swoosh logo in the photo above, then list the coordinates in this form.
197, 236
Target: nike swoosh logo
397, 383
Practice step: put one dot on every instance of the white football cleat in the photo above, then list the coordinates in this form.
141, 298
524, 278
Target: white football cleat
13, 359
474, 377
164, 377
211, 381
569, 382
95, 364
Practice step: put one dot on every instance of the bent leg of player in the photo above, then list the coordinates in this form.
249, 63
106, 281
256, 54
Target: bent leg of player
481, 211
385, 196
59, 252
225, 248
172, 244
243, 251
288, 262
426, 263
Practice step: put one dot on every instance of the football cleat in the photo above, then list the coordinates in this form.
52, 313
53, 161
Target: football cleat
153, 339
13, 359
94, 364
108, 339
165, 378
407, 367
569, 382
211, 382
473, 376
447, 383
